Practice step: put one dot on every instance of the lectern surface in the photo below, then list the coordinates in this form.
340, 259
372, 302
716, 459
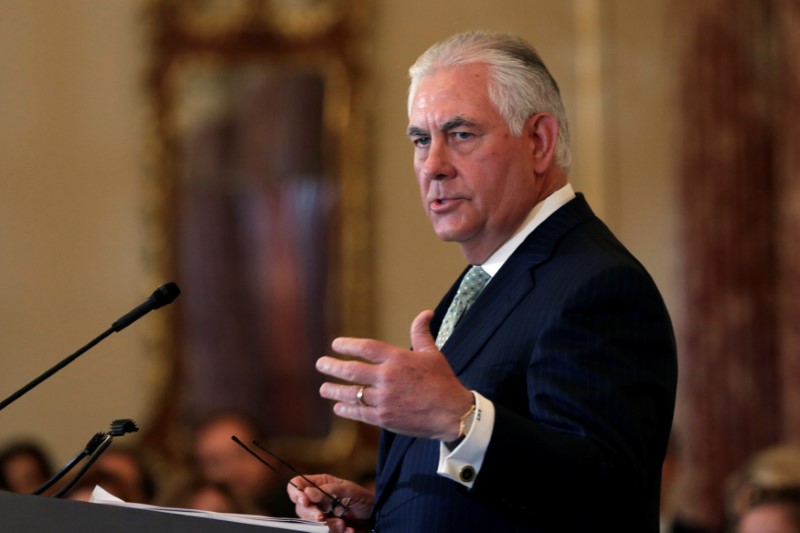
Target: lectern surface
21, 513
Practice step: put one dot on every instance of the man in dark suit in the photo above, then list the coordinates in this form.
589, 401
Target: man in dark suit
545, 405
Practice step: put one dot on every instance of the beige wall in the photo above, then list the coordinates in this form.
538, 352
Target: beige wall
70, 225
72, 174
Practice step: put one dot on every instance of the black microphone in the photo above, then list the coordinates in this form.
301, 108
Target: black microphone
94, 448
162, 296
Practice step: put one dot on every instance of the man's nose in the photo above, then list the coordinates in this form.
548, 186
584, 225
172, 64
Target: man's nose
438, 162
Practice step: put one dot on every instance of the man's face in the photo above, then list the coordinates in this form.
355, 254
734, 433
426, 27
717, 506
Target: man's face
222, 461
769, 518
24, 473
476, 179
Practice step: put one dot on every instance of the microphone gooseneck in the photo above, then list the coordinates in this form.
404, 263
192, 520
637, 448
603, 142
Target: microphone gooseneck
90, 447
162, 296
96, 446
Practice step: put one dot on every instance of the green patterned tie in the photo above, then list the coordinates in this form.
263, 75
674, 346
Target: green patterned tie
471, 286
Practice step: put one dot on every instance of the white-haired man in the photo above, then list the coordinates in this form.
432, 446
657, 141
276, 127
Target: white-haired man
545, 402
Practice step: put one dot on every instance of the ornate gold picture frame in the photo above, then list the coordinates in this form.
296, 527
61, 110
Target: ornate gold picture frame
259, 209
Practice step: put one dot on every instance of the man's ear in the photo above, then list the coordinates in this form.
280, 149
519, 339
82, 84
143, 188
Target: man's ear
542, 130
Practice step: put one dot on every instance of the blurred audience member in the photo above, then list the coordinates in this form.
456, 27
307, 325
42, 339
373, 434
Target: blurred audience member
207, 495
772, 469
220, 460
771, 511
24, 467
120, 471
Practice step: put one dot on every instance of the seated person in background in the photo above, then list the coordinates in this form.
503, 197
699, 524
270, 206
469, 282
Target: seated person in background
773, 469
121, 472
218, 459
24, 467
206, 495
771, 511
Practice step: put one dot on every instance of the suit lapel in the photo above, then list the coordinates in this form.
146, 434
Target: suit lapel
512, 283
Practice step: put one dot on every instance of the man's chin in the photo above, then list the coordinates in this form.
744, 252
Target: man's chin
448, 232
448, 236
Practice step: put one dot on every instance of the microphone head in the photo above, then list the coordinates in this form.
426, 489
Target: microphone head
165, 294
122, 426
94, 443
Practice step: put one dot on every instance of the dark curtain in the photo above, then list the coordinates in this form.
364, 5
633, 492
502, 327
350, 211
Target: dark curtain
740, 355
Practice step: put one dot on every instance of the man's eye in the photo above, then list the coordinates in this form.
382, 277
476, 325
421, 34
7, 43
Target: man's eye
462, 135
421, 141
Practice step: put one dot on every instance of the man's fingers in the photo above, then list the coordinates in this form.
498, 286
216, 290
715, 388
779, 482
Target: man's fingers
352, 371
367, 349
347, 394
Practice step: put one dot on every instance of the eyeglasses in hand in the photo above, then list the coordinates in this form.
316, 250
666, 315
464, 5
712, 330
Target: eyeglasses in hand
339, 506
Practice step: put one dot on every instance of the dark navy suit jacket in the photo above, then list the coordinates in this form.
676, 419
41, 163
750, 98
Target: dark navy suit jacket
572, 343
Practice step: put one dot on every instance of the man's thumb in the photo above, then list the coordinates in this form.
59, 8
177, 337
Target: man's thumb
421, 338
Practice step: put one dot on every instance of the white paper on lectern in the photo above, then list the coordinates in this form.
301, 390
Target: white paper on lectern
102, 496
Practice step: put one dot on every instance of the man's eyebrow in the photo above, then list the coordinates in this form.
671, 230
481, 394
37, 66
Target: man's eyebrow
455, 122
414, 131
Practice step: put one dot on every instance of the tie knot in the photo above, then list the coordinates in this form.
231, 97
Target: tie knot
472, 284
475, 279
468, 290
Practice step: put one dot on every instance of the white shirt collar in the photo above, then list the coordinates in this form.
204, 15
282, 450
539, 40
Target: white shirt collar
538, 214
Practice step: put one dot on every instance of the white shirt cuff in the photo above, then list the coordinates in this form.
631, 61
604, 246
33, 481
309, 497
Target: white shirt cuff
463, 463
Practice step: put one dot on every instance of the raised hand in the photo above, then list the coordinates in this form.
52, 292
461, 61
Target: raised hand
411, 392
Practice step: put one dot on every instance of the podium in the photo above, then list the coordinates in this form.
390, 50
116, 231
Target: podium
23, 513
